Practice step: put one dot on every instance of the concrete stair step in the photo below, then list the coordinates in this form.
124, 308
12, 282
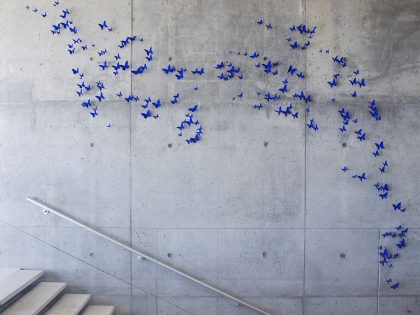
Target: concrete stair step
37, 299
69, 304
14, 282
99, 310
7, 271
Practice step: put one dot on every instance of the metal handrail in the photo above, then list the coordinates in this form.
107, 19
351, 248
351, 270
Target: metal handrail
48, 209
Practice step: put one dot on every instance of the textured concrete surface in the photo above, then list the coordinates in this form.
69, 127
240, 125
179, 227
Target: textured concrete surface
259, 207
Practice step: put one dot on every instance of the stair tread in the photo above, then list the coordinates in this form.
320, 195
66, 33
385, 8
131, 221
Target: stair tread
4, 272
16, 281
99, 310
69, 304
37, 299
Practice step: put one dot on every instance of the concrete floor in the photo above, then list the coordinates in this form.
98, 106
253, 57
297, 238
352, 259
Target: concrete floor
260, 206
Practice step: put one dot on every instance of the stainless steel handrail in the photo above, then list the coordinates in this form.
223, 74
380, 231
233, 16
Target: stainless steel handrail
48, 209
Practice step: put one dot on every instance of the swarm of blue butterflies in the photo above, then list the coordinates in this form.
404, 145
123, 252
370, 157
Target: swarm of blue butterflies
93, 92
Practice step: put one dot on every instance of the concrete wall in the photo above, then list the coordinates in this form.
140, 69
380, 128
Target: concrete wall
260, 206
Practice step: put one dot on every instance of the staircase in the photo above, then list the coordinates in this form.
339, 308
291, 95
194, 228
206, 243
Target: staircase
22, 293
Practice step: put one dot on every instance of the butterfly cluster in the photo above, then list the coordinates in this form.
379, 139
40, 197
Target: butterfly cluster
93, 92
268, 26
389, 253
373, 110
288, 111
230, 71
306, 33
345, 115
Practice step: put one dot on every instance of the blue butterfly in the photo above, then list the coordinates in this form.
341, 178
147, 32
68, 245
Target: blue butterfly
169, 69
380, 145
283, 89
100, 85
291, 70
193, 109
360, 135
294, 45
383, 168
220, 65
260, 22
197, 71
125, 66
103, 25
344, 169
81, 85
180, 74
300, 75
65, 13
104, 66
175, 99
157, 104
95, 112
312, 125
333, 82
395, 286
87, 104
398, 207
149, 52
254, 55
140, 70
361, 177
146, 114
384, 195
258, 107
100, 97
102, 52
361, 83
66, 24
401, 244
